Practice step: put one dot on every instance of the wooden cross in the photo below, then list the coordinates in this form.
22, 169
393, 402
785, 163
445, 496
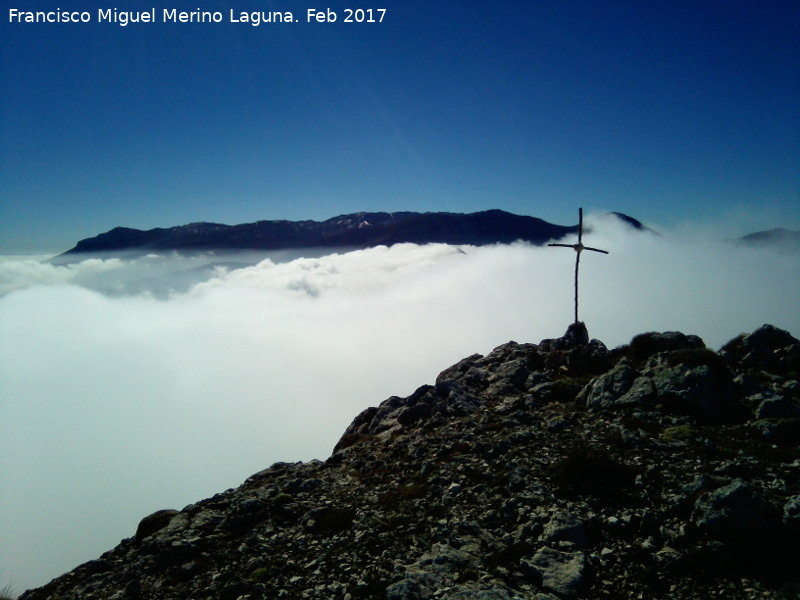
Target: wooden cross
579, 247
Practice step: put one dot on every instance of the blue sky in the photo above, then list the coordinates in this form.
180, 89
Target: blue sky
672, 112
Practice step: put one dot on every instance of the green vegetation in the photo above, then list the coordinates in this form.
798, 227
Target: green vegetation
261, 575
587, 470
642, 346
281, 500
698, 357
679, 432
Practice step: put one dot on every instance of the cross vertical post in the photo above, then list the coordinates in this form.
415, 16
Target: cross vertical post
579, 247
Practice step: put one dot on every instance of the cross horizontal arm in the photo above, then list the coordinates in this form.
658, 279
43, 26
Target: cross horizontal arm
595, 250
564, 245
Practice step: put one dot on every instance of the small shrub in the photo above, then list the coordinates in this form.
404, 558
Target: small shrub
281, 500
614, 438
494, 426
350, 439
564, 391
679, 432
698, 357
411, 491
593, 471
261, 575
735, 344
332, 520
643, 346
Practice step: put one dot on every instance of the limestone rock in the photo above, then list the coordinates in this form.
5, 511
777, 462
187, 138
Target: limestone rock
696, 389
566, 527
778, 407
563, 573
768, 348
608, 389
736, 512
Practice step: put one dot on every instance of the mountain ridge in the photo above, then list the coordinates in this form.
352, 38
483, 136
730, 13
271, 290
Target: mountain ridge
363, 230
357, 230
553, 471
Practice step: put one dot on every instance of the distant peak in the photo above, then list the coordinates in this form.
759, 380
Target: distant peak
779, 237
635, 223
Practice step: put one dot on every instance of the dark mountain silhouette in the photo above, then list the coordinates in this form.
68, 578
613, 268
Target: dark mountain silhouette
786, 239
359, 230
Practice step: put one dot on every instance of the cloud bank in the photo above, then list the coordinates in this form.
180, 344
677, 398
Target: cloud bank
121, 394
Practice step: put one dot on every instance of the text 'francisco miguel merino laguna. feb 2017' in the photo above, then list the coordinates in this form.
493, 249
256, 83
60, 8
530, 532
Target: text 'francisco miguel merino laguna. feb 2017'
172, 15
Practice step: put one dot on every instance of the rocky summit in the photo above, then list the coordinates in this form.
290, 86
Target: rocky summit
550, 471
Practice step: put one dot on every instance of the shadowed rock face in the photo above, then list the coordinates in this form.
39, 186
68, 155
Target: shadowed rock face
543, 471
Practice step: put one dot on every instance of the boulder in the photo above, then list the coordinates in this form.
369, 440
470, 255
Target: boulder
565, 527
154, 522
563, 573
768, 348
697, 390
791, 513
605, 391
736, 513
778, 407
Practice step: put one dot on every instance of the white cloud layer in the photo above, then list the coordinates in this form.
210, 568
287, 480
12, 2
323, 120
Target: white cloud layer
114, 404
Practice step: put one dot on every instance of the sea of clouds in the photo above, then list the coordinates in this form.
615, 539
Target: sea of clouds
129, 385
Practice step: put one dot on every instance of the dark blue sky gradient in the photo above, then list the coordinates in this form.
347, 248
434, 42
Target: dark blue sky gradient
668, 111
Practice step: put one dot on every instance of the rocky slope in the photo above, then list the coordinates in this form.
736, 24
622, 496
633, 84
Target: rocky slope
558, 470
